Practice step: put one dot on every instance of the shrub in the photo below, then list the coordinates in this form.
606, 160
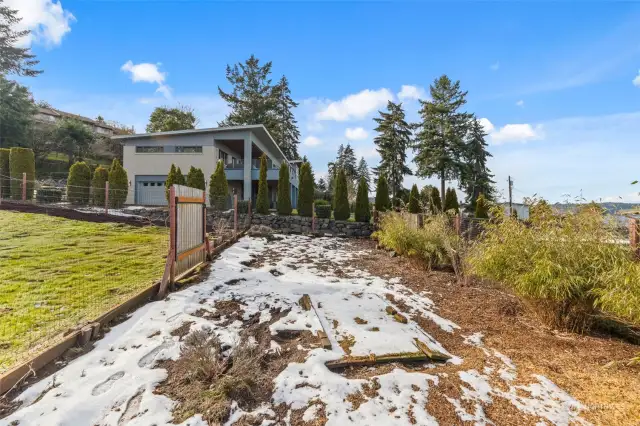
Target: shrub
218, 188
322, 202
118, 185
5, 179
100, 177
539, 210
79, 183
49, 194
243, 206
414, 203
566, 266
362, 211
21, 160
195, 178
262, 202
341, 210
284, 191
482, 208
436, 242
435, 203
305, 196
323, 211
451, 201
383, 203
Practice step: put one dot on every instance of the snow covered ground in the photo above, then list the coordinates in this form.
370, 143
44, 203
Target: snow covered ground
113, 384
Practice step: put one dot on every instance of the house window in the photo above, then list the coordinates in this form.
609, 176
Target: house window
222, 156
149, 149
189, 149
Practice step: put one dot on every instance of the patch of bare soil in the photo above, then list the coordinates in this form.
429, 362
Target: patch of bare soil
579, 364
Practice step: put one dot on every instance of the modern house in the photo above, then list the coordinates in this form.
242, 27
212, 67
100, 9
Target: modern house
148, 158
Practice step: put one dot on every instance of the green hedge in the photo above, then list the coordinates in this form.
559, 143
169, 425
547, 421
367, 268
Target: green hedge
305, 198
49, 194
79, 183
5, 180
118, 185
283, 204
362, 211
262, 202
243, 206
341, 210
21, 160
98, 183
323, 211
195, 178
218, 188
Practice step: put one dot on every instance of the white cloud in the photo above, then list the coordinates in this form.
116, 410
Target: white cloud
312, 141
520, 103
411, 92
355, 106
495, 66
46, 19
355, 134
512, 132
488, 126
148, 73
636, 81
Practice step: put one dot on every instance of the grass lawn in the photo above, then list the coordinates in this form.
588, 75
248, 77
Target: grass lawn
56, 273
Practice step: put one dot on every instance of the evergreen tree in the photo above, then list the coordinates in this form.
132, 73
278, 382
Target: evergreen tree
363, 171
195, 178
414, 200
482, 208
348, 163
305, 197
118, 184
284, 191
165, 119
5, 179
180, 179
73, 137
451, 201
383, 203
393, 139
476, 178
262, 203
440, 140
218, 188
98, 184
362, 213
172, 178
425, 195
16, 112
341, 210
322, 185
286, 130
14, 59
79, 183
435, 202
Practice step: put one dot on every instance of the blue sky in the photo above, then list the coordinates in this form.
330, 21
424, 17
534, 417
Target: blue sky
556, 83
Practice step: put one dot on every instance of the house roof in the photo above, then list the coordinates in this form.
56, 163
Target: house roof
258, 129
58, 113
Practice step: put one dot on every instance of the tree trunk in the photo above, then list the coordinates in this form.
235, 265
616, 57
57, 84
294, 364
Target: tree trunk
442, 191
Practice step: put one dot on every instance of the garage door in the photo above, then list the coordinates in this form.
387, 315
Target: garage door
150, 192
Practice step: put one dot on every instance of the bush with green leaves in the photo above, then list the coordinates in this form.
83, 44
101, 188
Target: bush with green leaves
218, 188
383, 203
5, 179
482, 207
243, 206
48, 194
195, 178
262, 201
283, 204
175, 177
98, 185
118, 185
362, 211
435, 202
414, 200
341, 209
305, 198
323, 211
451, 201
21, 160
79, 183
566, 266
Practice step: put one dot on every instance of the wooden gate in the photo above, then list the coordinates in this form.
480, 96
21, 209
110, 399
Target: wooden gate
188, 242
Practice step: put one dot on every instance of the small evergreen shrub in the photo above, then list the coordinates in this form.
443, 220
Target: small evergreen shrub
5, 179
323, 211
118, 185
362, 211
243, 206
195, 178
305, 198
48, 194
21, 160
98, 183
341, 210
180, 179
482, 208
383, 203
451, 201
435, 203
414, 202
284, 191
218, 188
170, 181
322, 202
79, 184
262, 201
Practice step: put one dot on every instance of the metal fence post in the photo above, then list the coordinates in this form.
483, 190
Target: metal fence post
106, 197
235, 214
24, 187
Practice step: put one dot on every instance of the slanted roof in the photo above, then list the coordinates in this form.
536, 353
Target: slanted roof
258, 129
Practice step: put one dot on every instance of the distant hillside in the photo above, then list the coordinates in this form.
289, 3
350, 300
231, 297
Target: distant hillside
610, 207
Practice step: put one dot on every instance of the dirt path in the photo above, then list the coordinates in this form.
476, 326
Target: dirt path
503, 369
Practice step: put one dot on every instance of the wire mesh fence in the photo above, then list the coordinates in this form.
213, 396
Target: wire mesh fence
57, 275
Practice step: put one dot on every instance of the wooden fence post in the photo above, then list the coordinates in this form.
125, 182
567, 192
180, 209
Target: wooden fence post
313, 217
170, 267
457, 224
235, 215
204, 228
634, 236
106, 197
24, 187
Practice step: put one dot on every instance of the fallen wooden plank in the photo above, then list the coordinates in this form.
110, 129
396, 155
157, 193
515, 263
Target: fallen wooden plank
324, 340
434, 355
372, 359
400, 318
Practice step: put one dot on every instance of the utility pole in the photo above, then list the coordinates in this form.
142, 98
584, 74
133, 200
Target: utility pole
510, 197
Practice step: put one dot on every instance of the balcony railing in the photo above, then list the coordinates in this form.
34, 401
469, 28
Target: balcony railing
238, 164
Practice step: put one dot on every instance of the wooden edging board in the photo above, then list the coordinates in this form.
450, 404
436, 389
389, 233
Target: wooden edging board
9, 379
